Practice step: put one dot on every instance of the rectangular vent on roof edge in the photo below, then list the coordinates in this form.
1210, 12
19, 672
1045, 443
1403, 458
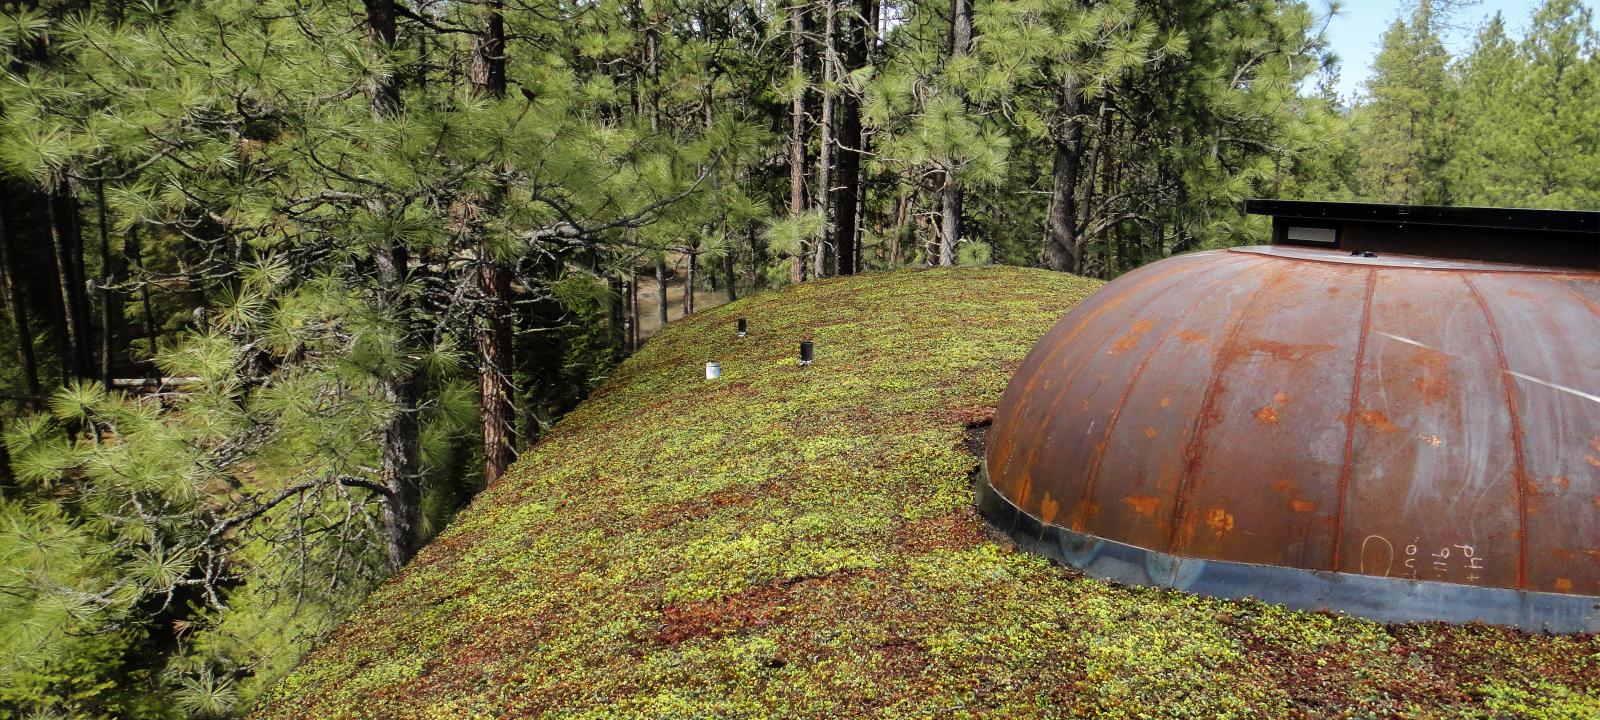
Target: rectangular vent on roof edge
1313, 235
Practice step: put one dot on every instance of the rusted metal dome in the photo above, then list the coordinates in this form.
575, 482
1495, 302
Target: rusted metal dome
1395, 437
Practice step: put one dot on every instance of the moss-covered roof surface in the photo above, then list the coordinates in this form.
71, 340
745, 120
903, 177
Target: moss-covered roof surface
800, 543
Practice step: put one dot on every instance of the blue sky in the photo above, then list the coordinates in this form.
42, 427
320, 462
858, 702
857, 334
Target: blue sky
1356, 31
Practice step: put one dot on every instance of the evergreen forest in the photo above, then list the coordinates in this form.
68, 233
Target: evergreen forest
287, 282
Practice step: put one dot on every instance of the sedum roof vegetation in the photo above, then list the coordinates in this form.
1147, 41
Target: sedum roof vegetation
800, 542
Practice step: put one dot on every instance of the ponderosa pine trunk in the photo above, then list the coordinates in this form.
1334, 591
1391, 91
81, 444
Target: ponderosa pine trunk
688, 283
1107, 190
494, 372
901, 209
857, 261
400, 471
830, 63
111, 272
758, 257
17, 310
488, 69
950, 197
872, 45
661, 294
848, 200
1062, 252
1093, 182
797, 137
135, 253
633, 312
728, 265
67, 248
383, 93
401, 475
494, 335
950, 193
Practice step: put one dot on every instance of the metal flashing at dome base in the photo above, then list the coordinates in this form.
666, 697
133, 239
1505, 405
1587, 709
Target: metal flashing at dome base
1385, 599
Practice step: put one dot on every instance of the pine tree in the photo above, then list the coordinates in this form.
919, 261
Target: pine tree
1486, 112
1405, 145
1556, 144
330, 209
16, 308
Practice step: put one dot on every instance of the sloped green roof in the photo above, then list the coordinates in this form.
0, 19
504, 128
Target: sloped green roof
799, 542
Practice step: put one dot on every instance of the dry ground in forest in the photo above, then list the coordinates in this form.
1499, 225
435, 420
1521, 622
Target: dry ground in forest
800, 542
649, 316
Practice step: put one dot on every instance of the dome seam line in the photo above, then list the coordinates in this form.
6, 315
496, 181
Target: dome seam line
1519, 477
1026, 468
1350, 419
1192, 453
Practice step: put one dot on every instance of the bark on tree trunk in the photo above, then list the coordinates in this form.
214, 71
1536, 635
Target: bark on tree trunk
401, 466
895, 237
110, 302
758, 255
949, 219
1094, 187
728, 265
400, 475
653, 54
1116, 253
847, 205
797, 138
497, 426
65, 243
960, 27
950, 194
488, 70
494, 372
383, 93
830, 64
858, 249
6, 476
135, 251
633, 312
873, 45
688, 284
1062, 252
661, 294
17, 310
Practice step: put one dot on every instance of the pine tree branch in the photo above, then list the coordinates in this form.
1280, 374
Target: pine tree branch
570, 229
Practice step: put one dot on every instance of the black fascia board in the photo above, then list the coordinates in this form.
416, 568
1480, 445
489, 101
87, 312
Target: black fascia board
1565, 221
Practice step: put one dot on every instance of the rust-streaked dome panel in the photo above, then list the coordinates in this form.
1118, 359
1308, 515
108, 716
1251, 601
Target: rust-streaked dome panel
1395, 418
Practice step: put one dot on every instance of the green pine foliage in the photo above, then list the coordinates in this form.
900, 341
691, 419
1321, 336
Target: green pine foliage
1511, 123
202, 538
1405, 143
250, 246
1529, 114
1183, 111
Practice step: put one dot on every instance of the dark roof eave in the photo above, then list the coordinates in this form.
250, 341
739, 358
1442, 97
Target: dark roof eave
1565, 221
